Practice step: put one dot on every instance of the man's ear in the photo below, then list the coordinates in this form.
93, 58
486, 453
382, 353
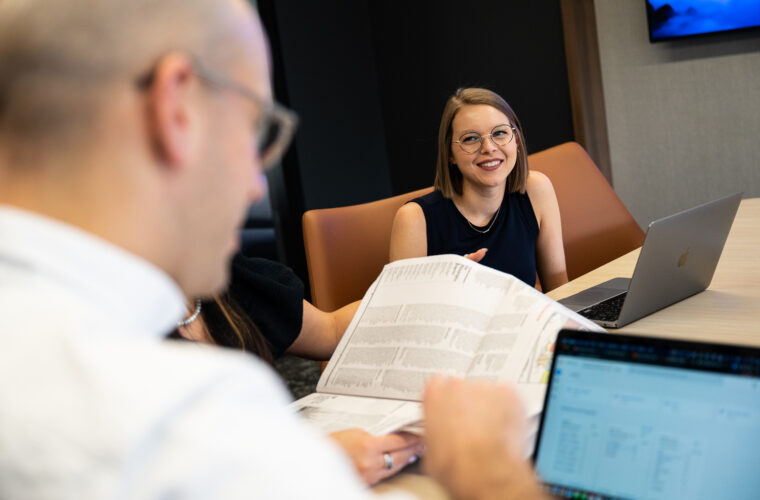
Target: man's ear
169, 108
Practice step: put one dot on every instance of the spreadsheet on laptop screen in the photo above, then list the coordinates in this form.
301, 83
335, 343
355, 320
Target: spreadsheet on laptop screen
623, 428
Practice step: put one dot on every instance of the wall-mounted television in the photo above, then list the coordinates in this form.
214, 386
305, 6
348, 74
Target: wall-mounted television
670, 19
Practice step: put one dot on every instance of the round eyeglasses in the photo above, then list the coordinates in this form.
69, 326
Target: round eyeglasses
500, 135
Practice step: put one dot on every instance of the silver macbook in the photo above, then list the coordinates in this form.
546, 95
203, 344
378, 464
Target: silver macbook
678, 259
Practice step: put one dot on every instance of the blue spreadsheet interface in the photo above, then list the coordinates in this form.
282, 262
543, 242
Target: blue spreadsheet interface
631, 430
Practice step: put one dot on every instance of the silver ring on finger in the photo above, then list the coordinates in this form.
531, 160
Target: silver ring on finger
388, 461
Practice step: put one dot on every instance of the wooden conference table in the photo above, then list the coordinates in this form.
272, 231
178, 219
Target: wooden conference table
727, 312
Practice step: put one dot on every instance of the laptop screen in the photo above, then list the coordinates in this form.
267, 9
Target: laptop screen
636, 417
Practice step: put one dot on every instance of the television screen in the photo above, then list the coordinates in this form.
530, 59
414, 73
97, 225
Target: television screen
680, 18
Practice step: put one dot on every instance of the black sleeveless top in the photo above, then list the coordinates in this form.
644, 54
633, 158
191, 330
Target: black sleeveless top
511, 241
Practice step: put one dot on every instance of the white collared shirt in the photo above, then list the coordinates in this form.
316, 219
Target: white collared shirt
95, 404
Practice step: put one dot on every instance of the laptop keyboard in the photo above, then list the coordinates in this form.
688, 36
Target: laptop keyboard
607, 310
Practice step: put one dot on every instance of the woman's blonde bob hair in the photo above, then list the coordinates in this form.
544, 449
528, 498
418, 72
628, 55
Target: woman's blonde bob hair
448, 178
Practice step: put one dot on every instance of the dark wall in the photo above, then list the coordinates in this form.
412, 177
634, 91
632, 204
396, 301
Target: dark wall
330, 80
369, 79
425, 50
323, 66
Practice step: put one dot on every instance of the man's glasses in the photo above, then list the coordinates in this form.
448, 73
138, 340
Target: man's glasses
275, 124
500, 135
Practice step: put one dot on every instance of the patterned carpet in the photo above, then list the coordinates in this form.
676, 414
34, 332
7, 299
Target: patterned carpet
300, 375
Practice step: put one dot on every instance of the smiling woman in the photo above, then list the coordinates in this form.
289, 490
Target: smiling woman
486, 203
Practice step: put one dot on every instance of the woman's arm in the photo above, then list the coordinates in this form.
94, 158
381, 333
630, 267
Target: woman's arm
550, 254
321, 331
409, 233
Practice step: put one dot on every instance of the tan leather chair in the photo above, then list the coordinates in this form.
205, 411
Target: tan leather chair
596, 226
347, 247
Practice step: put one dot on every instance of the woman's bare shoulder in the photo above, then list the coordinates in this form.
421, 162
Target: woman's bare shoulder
408, 236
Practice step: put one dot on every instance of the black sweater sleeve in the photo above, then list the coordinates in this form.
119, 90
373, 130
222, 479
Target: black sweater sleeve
272, 296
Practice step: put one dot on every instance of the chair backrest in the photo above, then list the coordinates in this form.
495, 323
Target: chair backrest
347, 247
596, 226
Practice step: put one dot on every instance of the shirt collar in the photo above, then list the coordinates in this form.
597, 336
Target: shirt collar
143, 298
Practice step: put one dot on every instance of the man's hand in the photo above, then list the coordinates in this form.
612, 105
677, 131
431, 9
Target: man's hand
474, 437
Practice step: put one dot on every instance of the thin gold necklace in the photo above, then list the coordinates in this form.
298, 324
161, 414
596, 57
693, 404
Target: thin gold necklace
484, 231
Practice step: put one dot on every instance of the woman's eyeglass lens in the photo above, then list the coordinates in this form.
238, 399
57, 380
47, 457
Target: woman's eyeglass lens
471, 141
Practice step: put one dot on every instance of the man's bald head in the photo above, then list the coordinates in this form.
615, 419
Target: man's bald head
107, 124
61, 61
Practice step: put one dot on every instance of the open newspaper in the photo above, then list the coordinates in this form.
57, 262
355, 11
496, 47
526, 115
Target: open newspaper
429, 315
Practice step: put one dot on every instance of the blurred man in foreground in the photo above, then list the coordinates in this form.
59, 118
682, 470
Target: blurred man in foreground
132, 138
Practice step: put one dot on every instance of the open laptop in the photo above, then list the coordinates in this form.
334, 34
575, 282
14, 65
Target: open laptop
678, 259
638, 417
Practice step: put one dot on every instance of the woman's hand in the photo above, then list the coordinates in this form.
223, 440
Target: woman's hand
367, 452
477, 256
